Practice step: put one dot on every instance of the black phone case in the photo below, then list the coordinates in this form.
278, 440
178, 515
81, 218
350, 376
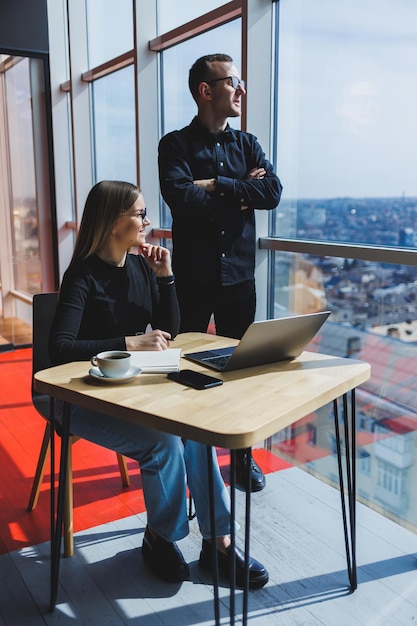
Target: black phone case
196, 380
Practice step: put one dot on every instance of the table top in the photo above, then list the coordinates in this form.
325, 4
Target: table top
252, 404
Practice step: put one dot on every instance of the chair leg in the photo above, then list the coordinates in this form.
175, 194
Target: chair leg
68, 512
40, 469
69, 508
123, 470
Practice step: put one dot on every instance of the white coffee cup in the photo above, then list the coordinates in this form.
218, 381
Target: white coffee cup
113, 363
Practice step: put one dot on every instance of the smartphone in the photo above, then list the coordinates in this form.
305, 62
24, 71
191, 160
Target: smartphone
197, 380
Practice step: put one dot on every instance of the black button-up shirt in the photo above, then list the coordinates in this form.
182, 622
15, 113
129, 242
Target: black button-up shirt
213, 238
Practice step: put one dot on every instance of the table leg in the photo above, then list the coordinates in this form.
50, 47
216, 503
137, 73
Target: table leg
213, 537
57, 529
349, 525
248, 452
52, 471
232, 609
247, 483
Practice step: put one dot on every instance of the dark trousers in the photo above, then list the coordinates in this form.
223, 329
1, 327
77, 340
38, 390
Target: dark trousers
233, 307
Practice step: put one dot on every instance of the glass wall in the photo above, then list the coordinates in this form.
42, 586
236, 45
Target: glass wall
24, 204
347, 148
173, 13
114, 124
110, 29
375, 325
347, 96
345, 93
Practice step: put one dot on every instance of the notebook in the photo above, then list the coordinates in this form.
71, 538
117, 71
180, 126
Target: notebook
158, 362
264, 342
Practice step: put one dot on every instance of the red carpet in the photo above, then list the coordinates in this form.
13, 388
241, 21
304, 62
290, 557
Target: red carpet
98, 493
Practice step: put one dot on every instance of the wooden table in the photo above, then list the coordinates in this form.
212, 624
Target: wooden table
250, 406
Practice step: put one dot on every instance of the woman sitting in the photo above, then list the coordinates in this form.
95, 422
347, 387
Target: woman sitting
108, 298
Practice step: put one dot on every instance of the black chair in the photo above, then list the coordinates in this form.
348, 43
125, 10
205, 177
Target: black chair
44, 305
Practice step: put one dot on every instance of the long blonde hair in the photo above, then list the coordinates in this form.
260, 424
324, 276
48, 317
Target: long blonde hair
106, 201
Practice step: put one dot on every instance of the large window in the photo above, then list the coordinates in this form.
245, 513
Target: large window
114, 126
346, 154
347, 129
374, 318
20, 74
110, 29
344, 142
173, 13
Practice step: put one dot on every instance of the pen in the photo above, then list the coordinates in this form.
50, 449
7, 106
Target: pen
142, 333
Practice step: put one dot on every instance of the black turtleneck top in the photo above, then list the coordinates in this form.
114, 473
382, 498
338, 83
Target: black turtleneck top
100, 304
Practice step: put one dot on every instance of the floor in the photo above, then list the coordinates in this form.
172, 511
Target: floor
14, 332
296, 533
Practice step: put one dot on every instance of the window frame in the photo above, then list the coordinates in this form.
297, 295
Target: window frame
16, 302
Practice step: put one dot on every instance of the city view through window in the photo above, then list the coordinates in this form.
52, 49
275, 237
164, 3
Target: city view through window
374, 319
347, 149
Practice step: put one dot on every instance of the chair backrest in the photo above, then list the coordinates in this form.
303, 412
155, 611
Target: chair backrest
43, 311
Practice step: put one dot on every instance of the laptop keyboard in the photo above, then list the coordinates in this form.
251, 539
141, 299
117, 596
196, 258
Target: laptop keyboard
219, 361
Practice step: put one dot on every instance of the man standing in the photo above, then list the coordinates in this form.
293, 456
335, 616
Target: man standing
213, 177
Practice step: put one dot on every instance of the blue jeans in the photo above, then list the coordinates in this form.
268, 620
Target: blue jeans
167, 463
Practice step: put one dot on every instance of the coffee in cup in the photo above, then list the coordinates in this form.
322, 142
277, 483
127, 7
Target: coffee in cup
113, 363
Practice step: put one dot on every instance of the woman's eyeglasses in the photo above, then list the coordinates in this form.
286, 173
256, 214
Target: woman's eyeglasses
141, 214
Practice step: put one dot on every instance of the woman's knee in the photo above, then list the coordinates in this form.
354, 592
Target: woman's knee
163, 450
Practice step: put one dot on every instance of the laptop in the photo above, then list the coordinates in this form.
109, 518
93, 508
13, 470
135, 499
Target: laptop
264, 342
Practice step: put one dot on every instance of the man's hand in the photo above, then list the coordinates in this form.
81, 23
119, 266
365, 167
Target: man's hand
208, 184
257, 172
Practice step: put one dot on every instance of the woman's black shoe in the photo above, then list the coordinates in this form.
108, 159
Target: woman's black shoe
258, 576
257, 477
164, 558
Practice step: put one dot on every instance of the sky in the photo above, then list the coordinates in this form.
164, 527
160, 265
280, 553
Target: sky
347, 98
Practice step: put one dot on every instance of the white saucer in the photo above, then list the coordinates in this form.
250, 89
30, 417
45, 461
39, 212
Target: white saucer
131, 373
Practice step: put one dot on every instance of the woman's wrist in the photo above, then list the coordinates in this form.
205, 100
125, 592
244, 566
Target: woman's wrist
165, 280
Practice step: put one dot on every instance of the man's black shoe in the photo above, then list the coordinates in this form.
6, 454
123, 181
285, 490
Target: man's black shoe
257, 477
258, 576
164, 558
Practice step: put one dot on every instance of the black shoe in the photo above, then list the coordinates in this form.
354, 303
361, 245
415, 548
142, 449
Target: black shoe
258, 576
164, 558
257, 477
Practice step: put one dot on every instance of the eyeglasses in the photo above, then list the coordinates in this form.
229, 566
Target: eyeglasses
141, 214
236, 82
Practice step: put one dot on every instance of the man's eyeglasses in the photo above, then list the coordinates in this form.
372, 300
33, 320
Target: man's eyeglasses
235, 82
141, 214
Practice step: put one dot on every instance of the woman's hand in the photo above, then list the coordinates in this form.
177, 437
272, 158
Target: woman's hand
155, 340
158, 258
